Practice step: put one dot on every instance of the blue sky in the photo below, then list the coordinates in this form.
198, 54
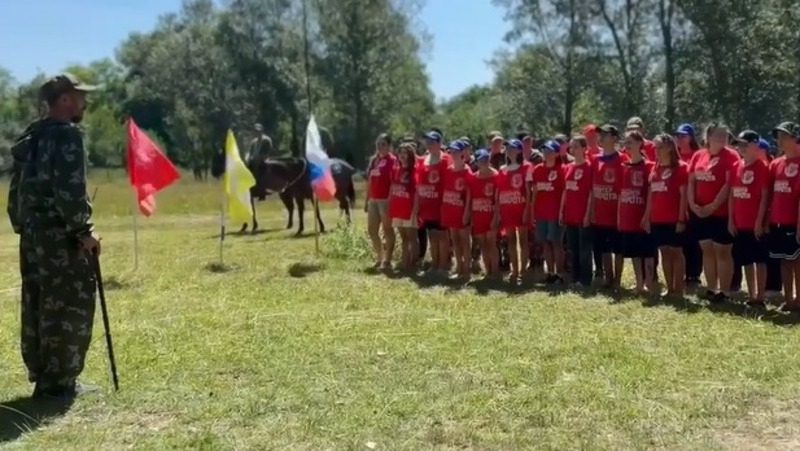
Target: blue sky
46, 35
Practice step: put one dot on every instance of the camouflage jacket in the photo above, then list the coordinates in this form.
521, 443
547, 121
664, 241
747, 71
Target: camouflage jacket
48, 187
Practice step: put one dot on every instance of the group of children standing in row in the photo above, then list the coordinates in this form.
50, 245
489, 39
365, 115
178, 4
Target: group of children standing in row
602, 193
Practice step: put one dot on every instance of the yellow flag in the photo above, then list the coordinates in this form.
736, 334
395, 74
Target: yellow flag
237, 181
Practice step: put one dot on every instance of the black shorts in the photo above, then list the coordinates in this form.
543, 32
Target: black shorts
637, 245
711, 228
748, 250
665, 235
782, 243
431, 225
606, 240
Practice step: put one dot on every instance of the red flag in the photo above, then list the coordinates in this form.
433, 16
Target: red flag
149, 170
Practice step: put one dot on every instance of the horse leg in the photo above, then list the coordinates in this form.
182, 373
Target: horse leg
301, 206
253, 206
288, 203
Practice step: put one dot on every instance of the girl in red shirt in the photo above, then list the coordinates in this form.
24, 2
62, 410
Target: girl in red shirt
709, 185
665, 218
483, 191
376, 206
455, 214
547, 187
631, 213
606, 185
402, 205
747, 215
513, 202
430, 173
784, 235
574, 211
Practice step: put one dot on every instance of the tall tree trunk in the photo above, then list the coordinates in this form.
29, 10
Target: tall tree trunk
665, 14
569, 78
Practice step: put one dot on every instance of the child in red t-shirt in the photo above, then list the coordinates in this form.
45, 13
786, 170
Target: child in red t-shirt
513, 200
784, 237
631, 214
746, 215
709, 186
547, 187
484, 216
606, 185
455, 214
376, 205
402, 205
574, 211
429, 176
666, 212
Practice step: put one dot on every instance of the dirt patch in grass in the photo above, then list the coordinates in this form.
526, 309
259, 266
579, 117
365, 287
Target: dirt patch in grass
769, 425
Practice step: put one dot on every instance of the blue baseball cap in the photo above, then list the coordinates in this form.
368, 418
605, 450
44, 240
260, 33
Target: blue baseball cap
482, 155
763, 144
552, 146
456, 146
433, 136
685, 129
514, 144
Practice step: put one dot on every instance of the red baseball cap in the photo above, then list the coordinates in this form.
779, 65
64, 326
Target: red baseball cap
590, 129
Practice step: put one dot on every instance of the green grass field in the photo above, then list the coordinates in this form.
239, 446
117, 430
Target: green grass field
290, 351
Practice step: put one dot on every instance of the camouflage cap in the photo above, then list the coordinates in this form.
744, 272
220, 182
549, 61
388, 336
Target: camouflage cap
789, 128
61, 84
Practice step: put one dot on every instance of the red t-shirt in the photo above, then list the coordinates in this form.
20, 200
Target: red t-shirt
785, 178
665, 188
512, 195
454, 197
710, 176
549, 184
401, 195
482, 193
606, 185
577, 187
633, 195
747, 186
686, 157
429, 189
380, 176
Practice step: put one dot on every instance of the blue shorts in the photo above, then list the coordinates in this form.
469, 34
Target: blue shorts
549, 231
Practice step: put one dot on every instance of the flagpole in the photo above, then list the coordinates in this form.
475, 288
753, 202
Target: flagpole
135, 213
310, 109
222, 227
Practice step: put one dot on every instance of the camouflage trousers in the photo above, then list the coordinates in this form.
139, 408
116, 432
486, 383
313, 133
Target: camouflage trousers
58, 302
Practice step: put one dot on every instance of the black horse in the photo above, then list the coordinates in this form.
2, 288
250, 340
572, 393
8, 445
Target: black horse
291, 179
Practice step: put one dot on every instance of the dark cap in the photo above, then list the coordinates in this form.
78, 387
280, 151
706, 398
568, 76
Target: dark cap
749, 137
551, 146
609, 129
434, 136
467, 142
514, 144
62, 84
482, 155
787, 127
685, 130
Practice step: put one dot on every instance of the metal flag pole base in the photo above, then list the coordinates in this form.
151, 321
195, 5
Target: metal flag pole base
104, 311
317, 215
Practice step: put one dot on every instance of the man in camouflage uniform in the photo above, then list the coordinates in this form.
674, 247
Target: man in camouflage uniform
50, 210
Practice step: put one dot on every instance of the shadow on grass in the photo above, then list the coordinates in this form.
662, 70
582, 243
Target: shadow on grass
26, 414
219, 268
114, 283
300, 270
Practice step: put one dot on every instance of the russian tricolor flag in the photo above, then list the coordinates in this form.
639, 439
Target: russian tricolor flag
319, 164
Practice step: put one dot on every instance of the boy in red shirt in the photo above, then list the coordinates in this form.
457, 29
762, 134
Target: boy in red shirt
547, 187
606, 185
574, 212
376, 206
429, 176
648, 148
784, 237
513, 201
747, 211
636, 242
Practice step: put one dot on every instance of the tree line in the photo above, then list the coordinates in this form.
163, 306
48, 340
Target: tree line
207, 68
